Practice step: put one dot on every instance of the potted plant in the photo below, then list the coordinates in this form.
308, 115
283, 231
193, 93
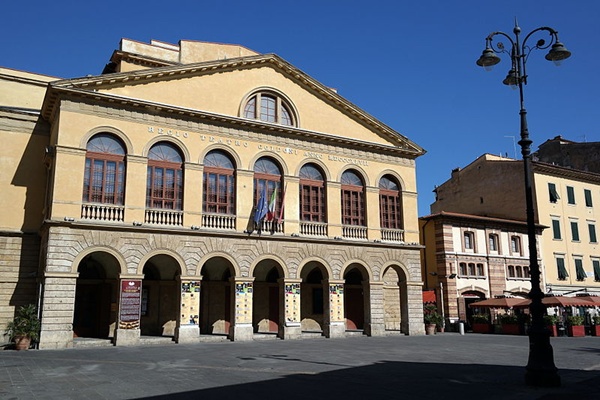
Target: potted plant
550, 322
575, 325
481, 323
431, 319
596, 326
24, 328
509, 323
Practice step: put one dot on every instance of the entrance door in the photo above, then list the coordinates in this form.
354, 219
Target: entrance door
354, 308
92, 310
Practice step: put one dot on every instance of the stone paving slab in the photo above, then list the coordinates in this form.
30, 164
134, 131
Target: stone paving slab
442, 366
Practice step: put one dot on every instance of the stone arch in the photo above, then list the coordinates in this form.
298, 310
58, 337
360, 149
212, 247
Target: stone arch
276, 92
356, 283
275, 156
314, 272
161, 290
93, 249
361, 172
173, 140
216, 293
219, 146
222, 254
107, 129
283, 271
395, 277
319, 260
176, 256
267, 301
321, 164
367, 273
395, 175
97, 285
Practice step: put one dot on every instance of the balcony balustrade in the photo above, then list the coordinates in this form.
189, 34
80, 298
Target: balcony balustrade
102, 212
164, 217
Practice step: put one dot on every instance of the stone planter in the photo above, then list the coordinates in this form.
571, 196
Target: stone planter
430, 329
595, 330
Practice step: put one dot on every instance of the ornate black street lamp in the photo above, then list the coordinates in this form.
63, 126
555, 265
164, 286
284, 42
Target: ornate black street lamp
540, 370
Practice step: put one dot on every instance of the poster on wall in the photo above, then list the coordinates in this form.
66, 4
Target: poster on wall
129, 315
190, 302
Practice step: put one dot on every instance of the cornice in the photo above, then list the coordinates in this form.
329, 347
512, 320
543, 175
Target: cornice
170, 111
563, 172
85, 87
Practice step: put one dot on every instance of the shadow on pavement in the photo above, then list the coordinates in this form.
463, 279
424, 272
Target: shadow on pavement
391, 380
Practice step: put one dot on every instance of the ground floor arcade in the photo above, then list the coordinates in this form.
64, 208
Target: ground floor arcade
127, 285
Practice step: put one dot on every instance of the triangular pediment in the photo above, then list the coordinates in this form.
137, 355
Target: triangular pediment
219, 89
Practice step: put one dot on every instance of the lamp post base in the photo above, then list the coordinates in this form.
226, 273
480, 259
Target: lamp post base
540, 370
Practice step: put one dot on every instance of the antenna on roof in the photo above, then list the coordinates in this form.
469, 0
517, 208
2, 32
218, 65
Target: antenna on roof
514, 145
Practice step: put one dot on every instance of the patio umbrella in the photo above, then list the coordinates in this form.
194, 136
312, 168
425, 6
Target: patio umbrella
560, 301
592, 299
499, 302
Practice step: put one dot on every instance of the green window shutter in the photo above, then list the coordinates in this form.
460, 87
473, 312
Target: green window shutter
570, 195
588, 197
575, 231
596, 264
562, 271
553, 193
579, 270
592, 230
556, 229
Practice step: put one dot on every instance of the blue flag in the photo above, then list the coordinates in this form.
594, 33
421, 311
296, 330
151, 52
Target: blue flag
262, 207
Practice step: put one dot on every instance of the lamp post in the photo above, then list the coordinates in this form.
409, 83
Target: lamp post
540, 370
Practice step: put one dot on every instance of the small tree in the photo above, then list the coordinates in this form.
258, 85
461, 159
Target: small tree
25, 324
431, 316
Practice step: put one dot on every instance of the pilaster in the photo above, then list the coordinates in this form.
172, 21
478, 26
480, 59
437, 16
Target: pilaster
241, 325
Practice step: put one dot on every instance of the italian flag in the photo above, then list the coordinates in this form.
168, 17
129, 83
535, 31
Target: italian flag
271, 207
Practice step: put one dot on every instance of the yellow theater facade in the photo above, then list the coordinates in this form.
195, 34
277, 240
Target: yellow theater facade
205, 189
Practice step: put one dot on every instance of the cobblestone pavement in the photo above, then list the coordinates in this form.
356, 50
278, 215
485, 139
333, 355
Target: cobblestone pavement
446, 365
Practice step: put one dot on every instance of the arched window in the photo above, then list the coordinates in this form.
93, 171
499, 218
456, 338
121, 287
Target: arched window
267, 182
390, 205
164, 185
269, 107
219, 183
312, 194
104, 177
353, 200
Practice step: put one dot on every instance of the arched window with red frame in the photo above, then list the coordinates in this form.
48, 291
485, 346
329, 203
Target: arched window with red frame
390, 203
353, 199
164, 185
312, 194
267, 174
104, 176
219, 183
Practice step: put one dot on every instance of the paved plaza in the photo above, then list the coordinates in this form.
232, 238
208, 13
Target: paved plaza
446, 365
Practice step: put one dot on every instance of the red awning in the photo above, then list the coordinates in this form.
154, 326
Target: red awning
429, 296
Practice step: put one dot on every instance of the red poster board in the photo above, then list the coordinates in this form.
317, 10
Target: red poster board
131, 299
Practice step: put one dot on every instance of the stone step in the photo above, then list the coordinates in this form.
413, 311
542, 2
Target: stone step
82, 342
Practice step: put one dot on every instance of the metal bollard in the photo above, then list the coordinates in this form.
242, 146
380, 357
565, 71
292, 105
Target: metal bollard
461, 328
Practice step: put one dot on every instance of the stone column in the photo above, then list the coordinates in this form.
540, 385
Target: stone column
241, 314
414, 296
374, 318
290, 326
57, 310
188, 328
335, 322
130, 307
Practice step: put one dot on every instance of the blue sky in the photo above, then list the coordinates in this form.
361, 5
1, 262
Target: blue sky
410, 64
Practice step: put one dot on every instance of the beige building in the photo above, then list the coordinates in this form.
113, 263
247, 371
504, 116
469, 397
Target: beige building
468, 258
566, 201
203, 189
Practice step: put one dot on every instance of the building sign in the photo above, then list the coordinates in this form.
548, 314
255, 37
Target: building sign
129, 315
